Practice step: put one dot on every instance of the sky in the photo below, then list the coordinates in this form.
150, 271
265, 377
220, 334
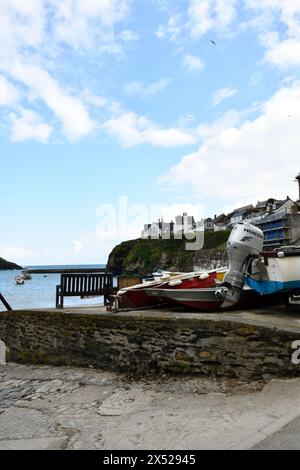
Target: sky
115, 112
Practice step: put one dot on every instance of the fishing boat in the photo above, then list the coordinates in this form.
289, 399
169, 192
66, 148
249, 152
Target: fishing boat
254, 278
19, 280
200, 298
137, 296
26, 275
209, 299
267, 273
276, 271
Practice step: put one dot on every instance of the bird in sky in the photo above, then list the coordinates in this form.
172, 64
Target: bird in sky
213, 42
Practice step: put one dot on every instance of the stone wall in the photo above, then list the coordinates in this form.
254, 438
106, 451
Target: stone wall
209, 344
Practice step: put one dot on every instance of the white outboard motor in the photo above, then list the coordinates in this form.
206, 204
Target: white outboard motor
245, 241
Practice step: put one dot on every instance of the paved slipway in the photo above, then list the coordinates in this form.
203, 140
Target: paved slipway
68, 408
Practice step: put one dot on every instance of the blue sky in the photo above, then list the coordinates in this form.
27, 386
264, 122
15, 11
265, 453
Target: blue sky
106, 101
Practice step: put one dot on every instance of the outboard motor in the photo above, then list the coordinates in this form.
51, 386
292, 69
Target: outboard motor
245, 241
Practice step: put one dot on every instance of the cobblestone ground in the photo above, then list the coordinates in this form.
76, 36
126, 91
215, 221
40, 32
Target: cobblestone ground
64, 408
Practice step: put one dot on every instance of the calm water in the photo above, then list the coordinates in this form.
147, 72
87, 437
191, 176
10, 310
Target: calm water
40, 290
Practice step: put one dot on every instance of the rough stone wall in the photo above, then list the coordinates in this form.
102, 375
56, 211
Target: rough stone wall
142, 344
210, 259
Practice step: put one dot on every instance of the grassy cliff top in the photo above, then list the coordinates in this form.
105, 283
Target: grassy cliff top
143, 256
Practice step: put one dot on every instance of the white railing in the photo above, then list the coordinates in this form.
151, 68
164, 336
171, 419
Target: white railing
270, 217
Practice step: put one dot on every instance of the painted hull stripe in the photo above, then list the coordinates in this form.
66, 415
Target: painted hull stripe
270, 287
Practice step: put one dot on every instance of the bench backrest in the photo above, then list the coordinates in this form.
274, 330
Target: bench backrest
86, 284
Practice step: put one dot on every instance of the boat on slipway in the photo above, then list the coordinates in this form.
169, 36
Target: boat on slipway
138, 295
254, 278
208, 299
276, 271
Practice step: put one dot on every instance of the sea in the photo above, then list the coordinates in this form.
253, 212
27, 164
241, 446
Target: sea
40, 291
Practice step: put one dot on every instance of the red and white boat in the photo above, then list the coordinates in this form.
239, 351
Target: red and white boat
209, 300
203, 298
137, 296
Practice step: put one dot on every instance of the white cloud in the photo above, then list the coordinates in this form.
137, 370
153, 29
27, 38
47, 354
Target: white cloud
285, 53
136, 88
131, 129
162, 4
83, 23
267, 17
21, 24
70, 110
90, 247
230, 118
94, 100
172, 29
283, 50
33, 36
171, 211
128, 36
206, 15
28, 126
8, 93
200, 17
287, 11
79, 23
78, 245
14, 253
222, 94
193, 63
247, 161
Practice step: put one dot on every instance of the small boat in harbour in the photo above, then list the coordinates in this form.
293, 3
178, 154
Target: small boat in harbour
26, 275
19, 280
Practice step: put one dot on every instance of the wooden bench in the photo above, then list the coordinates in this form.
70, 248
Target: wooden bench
5, 303
84, 285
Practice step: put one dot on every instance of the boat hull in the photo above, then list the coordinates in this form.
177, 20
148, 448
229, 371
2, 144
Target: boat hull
137, 296
137, 299
203, 298
206, 299
276, 274
194, 282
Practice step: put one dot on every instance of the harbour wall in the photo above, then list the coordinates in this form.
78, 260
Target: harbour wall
218, 345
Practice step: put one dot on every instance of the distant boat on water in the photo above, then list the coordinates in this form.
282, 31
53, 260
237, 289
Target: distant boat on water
19, 280
26, 275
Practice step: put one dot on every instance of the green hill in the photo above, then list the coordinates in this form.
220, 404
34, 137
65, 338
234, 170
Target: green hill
144, 256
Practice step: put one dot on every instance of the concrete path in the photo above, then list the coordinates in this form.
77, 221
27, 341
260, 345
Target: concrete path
288, 438
64, 408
